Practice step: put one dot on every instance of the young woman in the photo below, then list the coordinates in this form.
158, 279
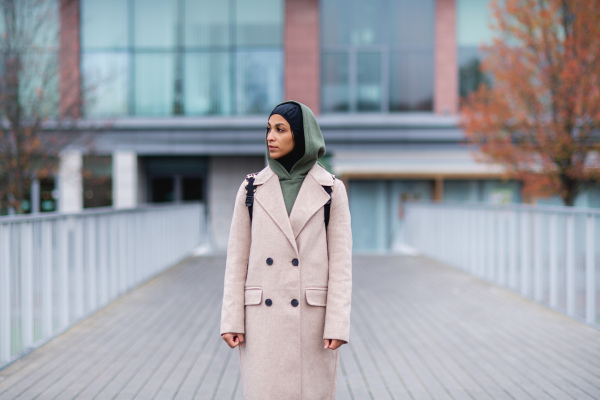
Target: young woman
288, 278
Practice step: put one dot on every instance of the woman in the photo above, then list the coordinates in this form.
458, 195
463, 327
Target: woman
288, 278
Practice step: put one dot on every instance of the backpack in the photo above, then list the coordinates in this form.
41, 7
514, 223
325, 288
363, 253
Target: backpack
250, 189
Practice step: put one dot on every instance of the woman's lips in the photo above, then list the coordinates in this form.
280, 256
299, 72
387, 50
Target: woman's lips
272, 147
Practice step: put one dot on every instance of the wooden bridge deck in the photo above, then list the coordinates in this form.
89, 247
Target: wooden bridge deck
420, 330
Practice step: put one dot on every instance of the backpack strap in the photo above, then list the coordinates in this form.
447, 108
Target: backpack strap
327, 206
250, 189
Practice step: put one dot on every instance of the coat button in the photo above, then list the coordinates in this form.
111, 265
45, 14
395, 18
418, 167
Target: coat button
294, 303
268, 302
269, 261
295, 262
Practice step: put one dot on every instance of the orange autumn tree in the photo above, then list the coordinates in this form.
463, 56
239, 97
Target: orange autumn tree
540, 117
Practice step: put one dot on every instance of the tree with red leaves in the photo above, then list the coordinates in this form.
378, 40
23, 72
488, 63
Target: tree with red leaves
540, 116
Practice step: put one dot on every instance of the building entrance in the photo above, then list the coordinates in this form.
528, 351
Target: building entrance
175, 179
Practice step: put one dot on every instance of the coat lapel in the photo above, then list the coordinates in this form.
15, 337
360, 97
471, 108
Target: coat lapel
311, 198
270, 197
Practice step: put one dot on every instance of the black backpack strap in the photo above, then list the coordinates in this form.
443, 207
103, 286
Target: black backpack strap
327, 209
250, 189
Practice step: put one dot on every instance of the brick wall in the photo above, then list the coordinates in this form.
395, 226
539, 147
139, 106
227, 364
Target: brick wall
302, 53
446, 59
70, 74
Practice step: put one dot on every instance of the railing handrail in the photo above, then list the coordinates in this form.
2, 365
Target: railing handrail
94, 211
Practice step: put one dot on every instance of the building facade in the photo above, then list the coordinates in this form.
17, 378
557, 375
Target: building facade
184, 88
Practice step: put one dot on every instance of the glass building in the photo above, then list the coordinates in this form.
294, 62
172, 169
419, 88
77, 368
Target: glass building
183, 88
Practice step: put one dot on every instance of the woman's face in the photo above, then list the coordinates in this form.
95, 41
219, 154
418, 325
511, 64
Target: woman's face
280, 138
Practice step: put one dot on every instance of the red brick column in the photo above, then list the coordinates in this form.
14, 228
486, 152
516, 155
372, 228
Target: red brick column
302, 76
69, 60
446, 59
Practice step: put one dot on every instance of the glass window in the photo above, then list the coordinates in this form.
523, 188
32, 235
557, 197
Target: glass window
155, 23
259, 23
375, 54
411, 83
181, 57
414, 23
473, 19
358, 22
39, 84
206, 23
154, 84
208, 84
105, 83
369, 81
335, 82
104, 24
258, 81
97, 181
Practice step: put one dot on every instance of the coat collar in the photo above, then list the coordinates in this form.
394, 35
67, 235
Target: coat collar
270, 197
311, 198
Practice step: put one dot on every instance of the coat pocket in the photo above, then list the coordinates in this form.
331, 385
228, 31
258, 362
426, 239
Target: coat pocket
316, 296
252, 296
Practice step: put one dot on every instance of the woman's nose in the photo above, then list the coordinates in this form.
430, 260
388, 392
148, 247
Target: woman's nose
270, 136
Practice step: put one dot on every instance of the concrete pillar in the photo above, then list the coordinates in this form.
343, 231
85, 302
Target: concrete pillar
35, 196
70, 182
446, 58
125, 179
302, 53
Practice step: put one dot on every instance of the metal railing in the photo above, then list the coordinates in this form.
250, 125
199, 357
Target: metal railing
548, 254
56, 269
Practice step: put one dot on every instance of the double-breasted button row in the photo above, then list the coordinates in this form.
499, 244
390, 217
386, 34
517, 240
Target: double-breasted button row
295, 261
269, 303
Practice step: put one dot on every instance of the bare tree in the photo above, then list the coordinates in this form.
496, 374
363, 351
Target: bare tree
33, 124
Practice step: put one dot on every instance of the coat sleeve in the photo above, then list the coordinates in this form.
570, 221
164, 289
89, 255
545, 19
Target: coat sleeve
238, 251
339, 245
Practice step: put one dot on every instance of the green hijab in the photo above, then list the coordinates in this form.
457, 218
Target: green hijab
314, 149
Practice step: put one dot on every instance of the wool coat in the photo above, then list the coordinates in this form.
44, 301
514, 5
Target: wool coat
288, 284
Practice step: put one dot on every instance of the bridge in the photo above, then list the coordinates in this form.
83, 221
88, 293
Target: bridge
421, 329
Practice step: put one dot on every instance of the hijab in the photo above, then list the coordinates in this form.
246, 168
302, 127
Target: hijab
309, 146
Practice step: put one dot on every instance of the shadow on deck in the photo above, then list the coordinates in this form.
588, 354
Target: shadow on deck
420, 330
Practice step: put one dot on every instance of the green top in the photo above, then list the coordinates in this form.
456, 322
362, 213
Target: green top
314, 149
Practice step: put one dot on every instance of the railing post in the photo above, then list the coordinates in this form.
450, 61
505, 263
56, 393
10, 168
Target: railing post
537, 258
26, 284
90, 264
78, 281
47, 264
103, 257
512, 252
570, 265
553, 259
63, 274
525, 258
502, 248
590, 272
5, 293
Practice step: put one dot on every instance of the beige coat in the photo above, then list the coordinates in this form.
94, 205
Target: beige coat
282, 357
